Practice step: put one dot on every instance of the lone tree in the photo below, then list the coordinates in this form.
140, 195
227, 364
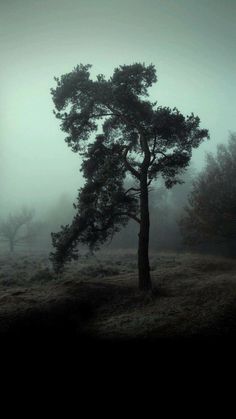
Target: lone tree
18, 228
210, 215
138, 139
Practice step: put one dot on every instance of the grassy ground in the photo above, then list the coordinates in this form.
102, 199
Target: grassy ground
97, 297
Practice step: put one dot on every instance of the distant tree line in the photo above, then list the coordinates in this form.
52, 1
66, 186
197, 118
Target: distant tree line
209, 218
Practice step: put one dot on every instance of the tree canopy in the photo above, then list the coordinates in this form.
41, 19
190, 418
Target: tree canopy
136, 138
211, 211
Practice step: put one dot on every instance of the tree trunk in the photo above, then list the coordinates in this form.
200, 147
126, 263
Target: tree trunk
143, 248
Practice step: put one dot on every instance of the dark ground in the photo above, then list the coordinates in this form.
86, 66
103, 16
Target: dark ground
97, 300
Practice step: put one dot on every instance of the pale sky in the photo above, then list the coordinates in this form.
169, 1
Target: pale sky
191, 43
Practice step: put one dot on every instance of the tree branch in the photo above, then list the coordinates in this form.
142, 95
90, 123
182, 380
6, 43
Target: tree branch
103, 114
161, 152
132, 189
129, 214
128, 165
134, 218
153, 151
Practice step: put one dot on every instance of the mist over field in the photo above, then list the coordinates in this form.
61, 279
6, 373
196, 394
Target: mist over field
191, 44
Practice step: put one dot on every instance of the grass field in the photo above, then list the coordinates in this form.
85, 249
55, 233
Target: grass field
98, 298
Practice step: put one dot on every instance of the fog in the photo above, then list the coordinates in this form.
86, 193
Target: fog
191, 43
181, 282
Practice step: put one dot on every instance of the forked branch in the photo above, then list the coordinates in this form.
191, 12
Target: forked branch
128, 165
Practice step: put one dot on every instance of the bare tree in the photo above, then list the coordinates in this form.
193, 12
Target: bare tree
18, 228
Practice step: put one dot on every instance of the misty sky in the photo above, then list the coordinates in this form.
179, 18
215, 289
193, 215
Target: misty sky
191, 43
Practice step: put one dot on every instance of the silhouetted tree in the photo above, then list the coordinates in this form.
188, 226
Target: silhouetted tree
210, 215
18, 228
138, 139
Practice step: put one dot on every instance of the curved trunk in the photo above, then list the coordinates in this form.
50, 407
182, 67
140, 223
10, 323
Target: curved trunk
143, 248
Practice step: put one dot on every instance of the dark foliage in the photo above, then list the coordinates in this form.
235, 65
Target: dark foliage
102, 204
139, 139
210, 215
